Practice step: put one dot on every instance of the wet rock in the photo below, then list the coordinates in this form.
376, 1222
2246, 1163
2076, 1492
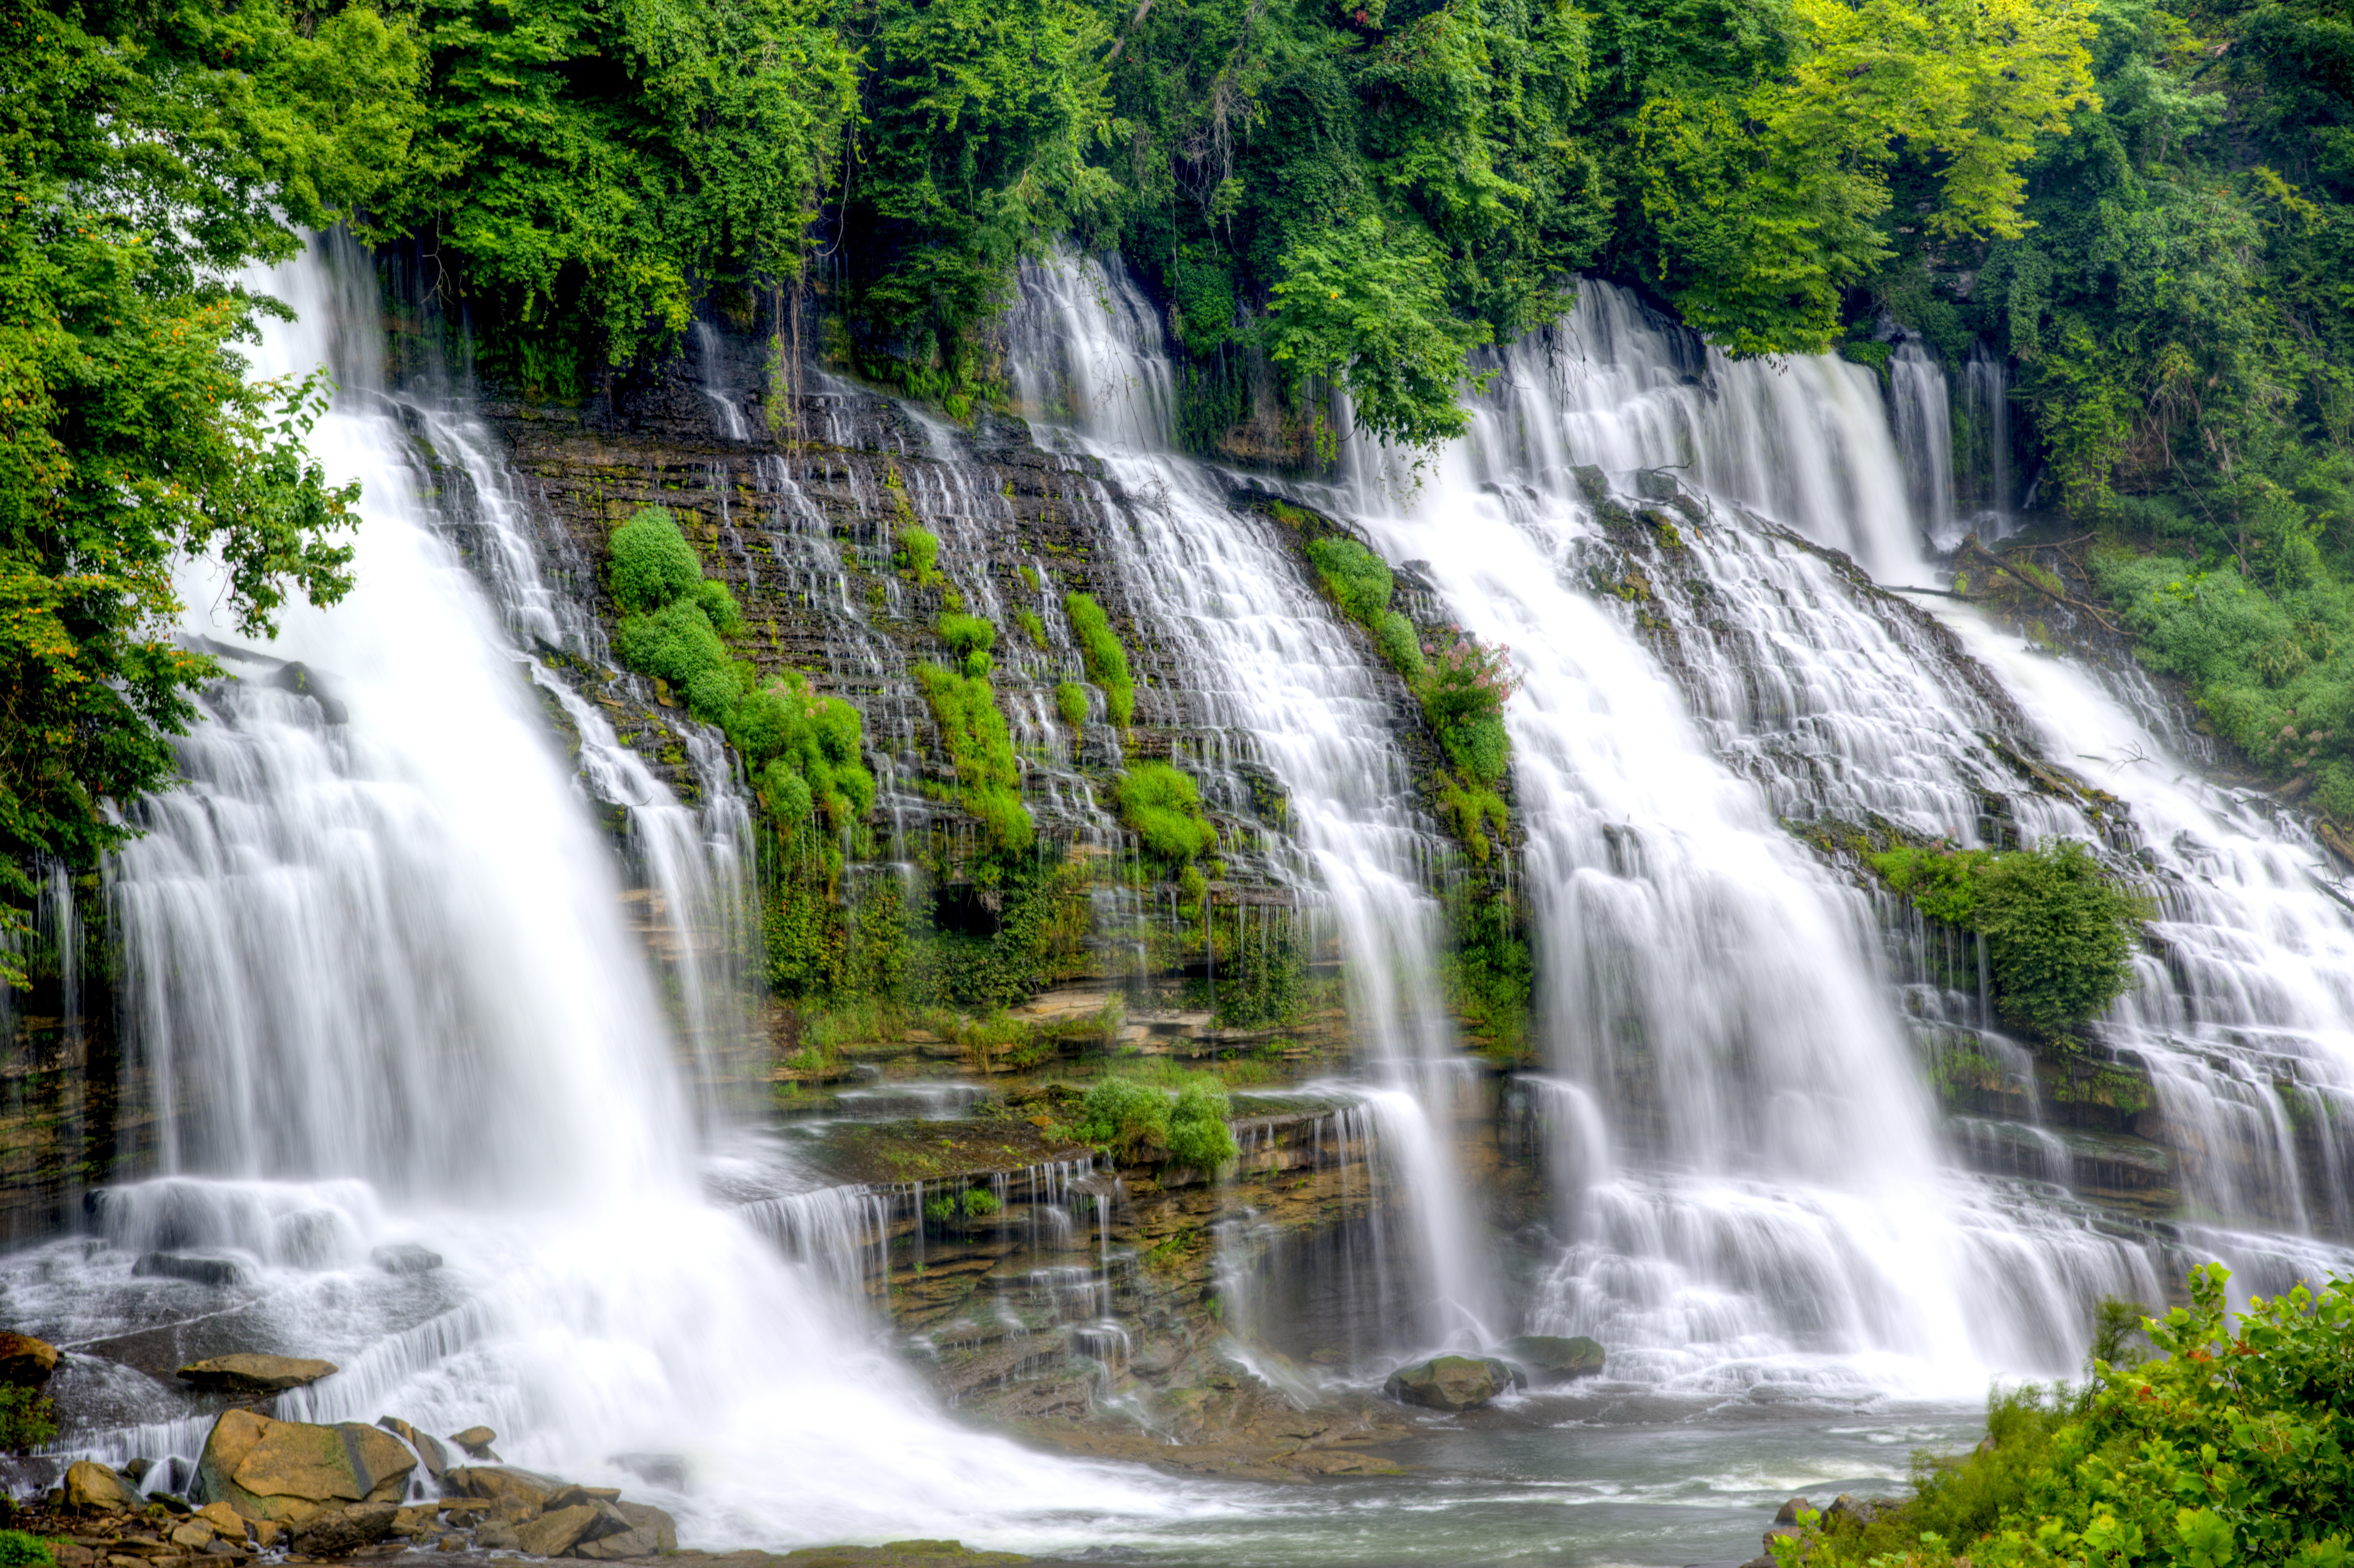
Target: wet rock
612, 1548
339, 1532
477, 1440
645, 1517
1550, 1359
224, 1519
406, 1258
1450, 1382
290, 1470
189, 1267
300, 678
255, 1374
504, 1483
580, 1497
1858, 1512
1789, 1511
667, 1470
497, 1535
137, 1468
556, 1533
25, 1361
91, 1485
429, 1447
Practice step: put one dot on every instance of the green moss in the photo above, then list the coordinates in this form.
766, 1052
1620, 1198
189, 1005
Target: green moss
28, 1419
967, 634
917, 553
979, 747
1162, 807
1359, 580
1071, 702
1107, 661
1394, 636
1032, 626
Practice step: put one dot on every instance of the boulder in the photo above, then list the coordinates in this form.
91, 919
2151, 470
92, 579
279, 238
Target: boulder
477, 1440
555, 1533
224, 1519
1789, 1511
1450, 1382
255, 1374
406, 1258
1550, 1359
504, 1483
667, 1470
628, 1543
291, 1470
91, 1485
195, 1534
340, 1532
25, 1361
429, 1447
188, 1266
576, 1496
497, 1535
645, 1517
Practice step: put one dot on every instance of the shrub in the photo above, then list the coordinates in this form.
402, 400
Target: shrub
807, 752
1071, 702
979, 747
1162, 807
678, 643
1121, 1116
1356, 577
1032, 627
1463, 694
1107, 661
967, 634
918, 550
18, 1550
719, 606
650, 563
1394, 636
1198, 1135
27, 1419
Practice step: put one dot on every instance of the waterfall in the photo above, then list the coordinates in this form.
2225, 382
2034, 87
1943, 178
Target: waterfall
1924, 435
1274, 673
1982, 469
416, 1109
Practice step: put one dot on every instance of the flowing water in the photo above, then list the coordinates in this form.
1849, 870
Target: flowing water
381, 973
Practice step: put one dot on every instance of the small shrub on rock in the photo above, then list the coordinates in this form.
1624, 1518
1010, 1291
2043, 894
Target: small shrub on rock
1162, 807
651, 563
1198, 1135
28, 1418
1359, 579
1071, 702
1121, 1116
1107, 661
18, 1550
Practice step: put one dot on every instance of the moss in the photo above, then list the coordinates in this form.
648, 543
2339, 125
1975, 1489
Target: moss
1162, 807
979, 747
1032, 626
1071, 702
1107, 661
650, 563
1358, 581
917, 554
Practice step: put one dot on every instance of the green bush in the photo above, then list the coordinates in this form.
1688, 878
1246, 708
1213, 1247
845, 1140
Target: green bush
918, 550
1463, 693
806, 752
1032, 627
1357, 578
1071, 702
650, 563
967, 634
1122, 1117
678, 643
1198, 1135
1162, 806
719, 606
1107, 661
2059, 931
18, 1550
28, 1418
979, 747
1394, 636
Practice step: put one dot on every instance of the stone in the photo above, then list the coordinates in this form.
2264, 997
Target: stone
91, 1485
504, 1483
224, 1519
497, 1535
554, 1534
254, 1374
476, 1441
290, 1470
195, 1270
266, 1532
25, 1361
628, 1543
576, 1497
195, 1535
666, 1470
137, 1468
1788, 1512
406, 1258
644, 1516
1550, 1359
339, 1532
1449, 1382
429, 1447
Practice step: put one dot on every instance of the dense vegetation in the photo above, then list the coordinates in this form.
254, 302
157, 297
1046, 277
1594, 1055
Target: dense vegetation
2234, 1445
2060, 930
1127, 1119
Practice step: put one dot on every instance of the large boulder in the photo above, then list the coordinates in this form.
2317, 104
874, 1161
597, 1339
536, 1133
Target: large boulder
477, 1440
555, 1533
645, 1517
429, 1447
292, 1470
1550, 1359
1450, 1382
254, 1374
504, 1483
91, 1485
195, 1269
340, 1532
25, 1361
407, 1257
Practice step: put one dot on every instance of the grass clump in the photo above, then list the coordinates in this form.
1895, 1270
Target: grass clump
1034, 628
1107, 661
2060, 930
979, 746
1162, 807
971, 637
20, 1549
1128, 1119
1071, 702
918, 555
1356, 577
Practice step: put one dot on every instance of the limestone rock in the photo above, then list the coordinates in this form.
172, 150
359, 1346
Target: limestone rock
1450, 1382
577, 1497
406, 1258
1550, 1359
91, 1485
290, 1470
195, 1269
554, 1534
195, 1535
224, 1519
497, 1535
339, 1532
429, 1447
504, 1483
255, 1374
476, 1441
644, 1516
638, 1542
25, 1361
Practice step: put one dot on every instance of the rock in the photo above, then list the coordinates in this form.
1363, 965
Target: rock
1789, 1511
290, 1470
25, 1361
668, 1470
255, 1374
137, 1468
644, 1516
497, 1535
224, 1519
1550, 1359
554, 1534
266, 1532
300, 678
91, 1485
477, 1440
504, 1483
195, 1269
1855, 1510
406, 1258
195, 1535
339, 1532
578, 1496
1450, 1382
628, 1543
429, 1447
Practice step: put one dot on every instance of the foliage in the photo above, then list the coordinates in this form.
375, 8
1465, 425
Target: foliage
1162, 807
1489, 977
146, 155
971, 637
650, 562
1128, 1119
18, 1550
1463, 691
1107, 661
1071, 702
1032, 626
2059, 931
1394, 637
917, 554
2233, 1445
979, 749
1198, 1135
28, 1418
1359, 580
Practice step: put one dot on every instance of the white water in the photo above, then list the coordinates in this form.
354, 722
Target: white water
383, 968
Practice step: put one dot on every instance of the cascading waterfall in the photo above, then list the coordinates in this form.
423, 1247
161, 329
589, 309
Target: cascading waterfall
1925, 436
377, 961
1272, 669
